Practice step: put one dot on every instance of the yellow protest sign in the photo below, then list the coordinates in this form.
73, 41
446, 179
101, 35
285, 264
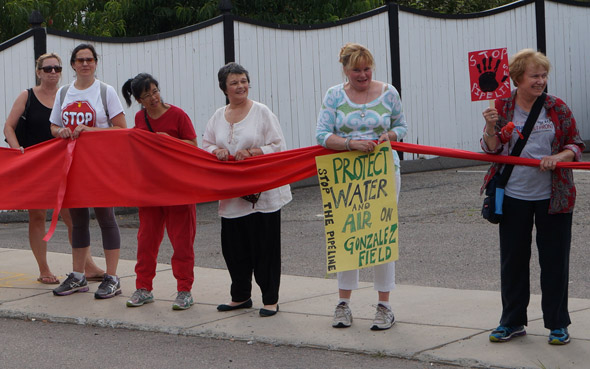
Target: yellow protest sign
360, 208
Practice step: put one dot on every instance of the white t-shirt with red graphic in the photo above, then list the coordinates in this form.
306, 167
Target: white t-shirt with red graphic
85, 107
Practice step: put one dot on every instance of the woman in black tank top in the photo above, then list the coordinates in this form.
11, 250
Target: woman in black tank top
38, 102
37, 123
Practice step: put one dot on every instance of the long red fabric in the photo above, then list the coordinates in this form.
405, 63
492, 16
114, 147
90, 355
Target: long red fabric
463, 154
138, 168
130, 167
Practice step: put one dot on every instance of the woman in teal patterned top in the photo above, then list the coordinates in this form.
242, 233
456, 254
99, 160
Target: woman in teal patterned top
358, 115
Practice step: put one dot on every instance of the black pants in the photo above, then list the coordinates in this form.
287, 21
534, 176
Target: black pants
554, 233
111, 238
252, 243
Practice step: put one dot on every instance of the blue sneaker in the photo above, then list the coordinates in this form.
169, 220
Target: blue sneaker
559, 336
505, 334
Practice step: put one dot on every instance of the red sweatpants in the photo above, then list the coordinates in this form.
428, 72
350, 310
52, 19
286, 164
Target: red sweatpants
181, 224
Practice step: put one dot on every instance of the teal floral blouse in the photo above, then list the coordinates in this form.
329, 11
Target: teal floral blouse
342, 117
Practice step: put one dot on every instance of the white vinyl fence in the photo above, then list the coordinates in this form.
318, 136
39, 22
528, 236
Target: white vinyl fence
291, 68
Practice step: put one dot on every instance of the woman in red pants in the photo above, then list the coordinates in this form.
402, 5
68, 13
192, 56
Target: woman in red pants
180, 220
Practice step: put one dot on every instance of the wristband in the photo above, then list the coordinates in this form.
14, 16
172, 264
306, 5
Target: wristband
347, 143
485, 132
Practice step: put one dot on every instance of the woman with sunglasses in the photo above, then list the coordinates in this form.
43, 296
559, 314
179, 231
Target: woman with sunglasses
36, 129
82, 107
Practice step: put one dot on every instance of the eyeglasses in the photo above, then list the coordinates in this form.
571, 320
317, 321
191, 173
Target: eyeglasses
150, 95
87, 60
49, 68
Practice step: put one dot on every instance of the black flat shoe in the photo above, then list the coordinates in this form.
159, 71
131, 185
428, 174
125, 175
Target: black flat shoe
243, 305
265, 312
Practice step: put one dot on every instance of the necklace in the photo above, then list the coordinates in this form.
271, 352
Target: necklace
364, 108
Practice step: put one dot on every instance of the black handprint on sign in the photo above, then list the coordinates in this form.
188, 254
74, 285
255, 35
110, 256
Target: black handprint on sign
487, 78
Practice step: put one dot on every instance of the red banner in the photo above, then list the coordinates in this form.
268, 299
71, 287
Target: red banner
138, 168
130, 167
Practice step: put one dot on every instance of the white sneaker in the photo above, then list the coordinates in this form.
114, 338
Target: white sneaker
342, 316
384, 319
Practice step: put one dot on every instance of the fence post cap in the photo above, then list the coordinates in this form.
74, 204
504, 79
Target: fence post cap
35, 19
225, 6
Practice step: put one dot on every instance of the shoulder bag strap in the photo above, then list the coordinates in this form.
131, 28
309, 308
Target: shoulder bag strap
103, 97
27, 104
21, 130
147, 121
62, 94
526, 131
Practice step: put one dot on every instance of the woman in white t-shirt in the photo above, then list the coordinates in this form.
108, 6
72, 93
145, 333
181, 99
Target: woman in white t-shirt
250, 225
89, 105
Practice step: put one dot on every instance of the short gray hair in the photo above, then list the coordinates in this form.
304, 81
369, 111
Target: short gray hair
226, 70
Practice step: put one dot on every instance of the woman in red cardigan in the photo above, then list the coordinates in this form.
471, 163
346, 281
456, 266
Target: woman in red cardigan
543, 196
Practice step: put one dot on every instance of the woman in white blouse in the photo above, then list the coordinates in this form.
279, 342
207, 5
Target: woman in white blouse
250, 225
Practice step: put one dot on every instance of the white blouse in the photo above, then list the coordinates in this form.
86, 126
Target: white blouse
259, 129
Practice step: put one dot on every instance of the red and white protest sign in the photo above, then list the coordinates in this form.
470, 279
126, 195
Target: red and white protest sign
77, 113
488, 74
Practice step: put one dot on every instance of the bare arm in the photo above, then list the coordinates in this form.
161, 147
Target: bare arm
491, 139
336, 142
191, 142
550, 162
17, 110
387, 136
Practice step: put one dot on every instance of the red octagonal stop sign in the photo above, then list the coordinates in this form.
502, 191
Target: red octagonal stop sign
76, 113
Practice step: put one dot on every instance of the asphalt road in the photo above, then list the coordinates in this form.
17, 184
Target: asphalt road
443, 240
43, 345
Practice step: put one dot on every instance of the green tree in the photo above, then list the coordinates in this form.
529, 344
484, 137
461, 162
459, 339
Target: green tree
98, 18
117, 18
303, 11
454, 6
148, 17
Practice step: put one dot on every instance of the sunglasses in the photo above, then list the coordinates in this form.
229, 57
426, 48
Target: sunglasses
49, 68
82, 60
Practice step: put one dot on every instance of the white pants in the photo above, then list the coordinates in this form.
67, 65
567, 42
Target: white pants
383, 274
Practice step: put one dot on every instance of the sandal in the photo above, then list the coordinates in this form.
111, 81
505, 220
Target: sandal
48, 279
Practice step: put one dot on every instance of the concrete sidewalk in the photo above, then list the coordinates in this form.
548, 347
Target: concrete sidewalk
433, 324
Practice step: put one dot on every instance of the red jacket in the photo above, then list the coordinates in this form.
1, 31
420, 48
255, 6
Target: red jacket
563, 190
